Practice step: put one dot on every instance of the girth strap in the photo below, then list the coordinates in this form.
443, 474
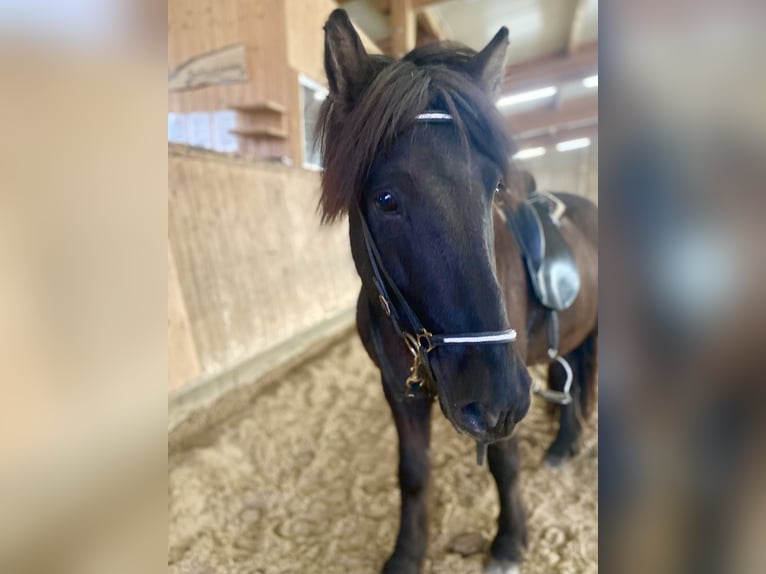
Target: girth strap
564, 396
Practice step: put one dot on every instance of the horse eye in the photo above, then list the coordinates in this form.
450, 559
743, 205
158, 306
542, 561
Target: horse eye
386, 202
500, 186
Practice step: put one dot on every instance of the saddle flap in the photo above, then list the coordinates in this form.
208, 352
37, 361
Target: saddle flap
551, 265
531, 235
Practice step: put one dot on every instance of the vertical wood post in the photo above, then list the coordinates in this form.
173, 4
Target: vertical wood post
403, 27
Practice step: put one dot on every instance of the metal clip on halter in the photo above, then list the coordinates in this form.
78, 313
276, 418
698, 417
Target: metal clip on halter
418, 345
414, 379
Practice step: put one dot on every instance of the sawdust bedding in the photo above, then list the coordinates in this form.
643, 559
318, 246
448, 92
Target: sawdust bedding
304, 481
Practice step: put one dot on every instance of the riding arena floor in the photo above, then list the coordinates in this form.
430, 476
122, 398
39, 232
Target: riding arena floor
303, 481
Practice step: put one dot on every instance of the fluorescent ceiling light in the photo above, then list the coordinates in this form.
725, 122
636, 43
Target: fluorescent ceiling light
529, 152
320, 95
590, 82
527, 96
573, 144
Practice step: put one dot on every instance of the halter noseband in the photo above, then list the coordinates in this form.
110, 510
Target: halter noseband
419, 341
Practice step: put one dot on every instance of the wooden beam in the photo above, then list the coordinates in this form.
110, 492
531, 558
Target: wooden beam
549, 140
431, 25
551, 71
385, 5
573, 37
385, 45
571, 111
575, 28
402, 27
428, 29
424, 3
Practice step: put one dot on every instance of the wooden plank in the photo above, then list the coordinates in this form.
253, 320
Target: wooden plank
264, 106
263, 290
575, 29
385, 45
424, 3
551, 139
428, 30
295, 121
571, 111
402, 27
573, 37
262, 27
385, 5
429, 23
551, 70
261, 133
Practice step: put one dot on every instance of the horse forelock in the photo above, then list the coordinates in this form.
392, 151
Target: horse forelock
435, 77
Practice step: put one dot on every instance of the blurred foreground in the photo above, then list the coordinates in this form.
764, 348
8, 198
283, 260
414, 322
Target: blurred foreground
83, 173
683, 312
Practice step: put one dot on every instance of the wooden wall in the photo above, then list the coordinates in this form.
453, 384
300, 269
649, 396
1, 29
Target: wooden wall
253, 265
183, 362
283, 39
575, 171
197, 27
248, 264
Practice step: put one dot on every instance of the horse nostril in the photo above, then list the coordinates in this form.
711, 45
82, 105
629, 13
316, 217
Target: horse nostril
475, 418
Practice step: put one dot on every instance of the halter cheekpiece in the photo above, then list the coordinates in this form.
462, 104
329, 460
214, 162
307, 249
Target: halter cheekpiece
418, 340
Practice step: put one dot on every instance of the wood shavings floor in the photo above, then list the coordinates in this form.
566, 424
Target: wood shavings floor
304, 481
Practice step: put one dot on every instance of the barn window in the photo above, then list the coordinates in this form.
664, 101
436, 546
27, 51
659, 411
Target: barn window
312, 96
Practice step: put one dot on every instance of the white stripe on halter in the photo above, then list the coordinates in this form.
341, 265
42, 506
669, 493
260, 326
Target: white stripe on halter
431, 116
505, 337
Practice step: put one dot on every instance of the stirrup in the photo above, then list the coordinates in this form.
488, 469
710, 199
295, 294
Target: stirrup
558, 397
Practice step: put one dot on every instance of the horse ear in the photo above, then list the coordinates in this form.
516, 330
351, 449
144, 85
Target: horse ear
345, 60
488, 65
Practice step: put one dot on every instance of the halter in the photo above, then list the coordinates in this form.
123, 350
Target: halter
419, 341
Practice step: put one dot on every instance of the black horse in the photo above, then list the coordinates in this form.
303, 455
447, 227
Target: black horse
417, 155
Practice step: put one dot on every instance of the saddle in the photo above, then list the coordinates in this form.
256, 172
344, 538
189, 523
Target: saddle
550, 266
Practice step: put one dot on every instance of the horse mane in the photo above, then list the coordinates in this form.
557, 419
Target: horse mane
433, 77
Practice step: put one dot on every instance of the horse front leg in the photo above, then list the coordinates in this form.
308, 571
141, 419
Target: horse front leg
507, 548
412, 420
